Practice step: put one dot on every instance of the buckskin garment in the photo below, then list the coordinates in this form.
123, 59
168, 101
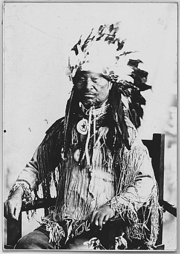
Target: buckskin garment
93, 174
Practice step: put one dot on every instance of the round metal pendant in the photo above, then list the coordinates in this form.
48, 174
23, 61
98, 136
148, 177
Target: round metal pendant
82, 126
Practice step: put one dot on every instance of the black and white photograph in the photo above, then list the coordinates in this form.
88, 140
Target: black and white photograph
90, 126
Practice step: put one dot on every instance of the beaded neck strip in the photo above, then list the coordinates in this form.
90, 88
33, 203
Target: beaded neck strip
93, 114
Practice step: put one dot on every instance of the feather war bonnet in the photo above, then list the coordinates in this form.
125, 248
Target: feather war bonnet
103, 52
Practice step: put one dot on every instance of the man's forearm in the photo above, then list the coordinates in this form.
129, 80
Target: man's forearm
134, 197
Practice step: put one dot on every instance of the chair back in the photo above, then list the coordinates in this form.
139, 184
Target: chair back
156, 152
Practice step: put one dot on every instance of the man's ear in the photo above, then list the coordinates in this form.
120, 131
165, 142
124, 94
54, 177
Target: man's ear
76, 76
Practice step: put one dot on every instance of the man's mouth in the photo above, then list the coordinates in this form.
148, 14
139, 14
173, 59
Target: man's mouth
89, 95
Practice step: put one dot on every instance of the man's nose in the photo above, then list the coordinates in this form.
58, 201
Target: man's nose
89, 84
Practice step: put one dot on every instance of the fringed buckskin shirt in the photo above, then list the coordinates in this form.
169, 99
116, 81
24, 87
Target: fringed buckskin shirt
82, 189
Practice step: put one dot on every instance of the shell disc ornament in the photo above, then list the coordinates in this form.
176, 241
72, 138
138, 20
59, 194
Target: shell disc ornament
82, 126
77, 155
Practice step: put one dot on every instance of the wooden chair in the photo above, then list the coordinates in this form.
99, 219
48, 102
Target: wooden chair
156, 151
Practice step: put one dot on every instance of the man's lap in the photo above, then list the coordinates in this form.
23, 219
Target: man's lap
34, 240
39, 239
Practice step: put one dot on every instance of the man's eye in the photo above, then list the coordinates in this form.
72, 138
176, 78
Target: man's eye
81, 79
95, 80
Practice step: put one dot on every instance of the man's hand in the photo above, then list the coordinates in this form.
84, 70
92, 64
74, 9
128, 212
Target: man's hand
102, 215
12, 206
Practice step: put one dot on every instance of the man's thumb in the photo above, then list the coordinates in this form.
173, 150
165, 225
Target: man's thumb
17, 211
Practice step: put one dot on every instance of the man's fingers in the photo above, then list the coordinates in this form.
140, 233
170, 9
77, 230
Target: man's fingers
103, 219
12, 206
101, 216
106, 218
17, 211
12, 210
93, 216
9, 210
100, 221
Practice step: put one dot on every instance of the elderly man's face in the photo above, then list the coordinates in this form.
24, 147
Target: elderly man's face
93, 88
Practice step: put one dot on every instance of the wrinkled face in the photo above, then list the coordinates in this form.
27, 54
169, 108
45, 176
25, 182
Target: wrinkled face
93, 89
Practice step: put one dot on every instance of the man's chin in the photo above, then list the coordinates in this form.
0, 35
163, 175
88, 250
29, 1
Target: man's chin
88, 103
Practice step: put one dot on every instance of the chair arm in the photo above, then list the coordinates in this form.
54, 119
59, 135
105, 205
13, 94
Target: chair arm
14, 227
168, 207
39, 203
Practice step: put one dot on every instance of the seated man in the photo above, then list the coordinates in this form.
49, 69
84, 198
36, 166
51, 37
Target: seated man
104, 169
